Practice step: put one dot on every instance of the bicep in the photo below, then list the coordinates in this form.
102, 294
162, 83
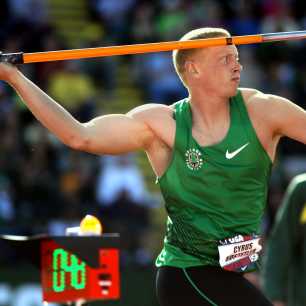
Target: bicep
116, 134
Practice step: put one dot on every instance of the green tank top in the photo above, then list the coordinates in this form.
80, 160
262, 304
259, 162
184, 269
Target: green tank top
212, 192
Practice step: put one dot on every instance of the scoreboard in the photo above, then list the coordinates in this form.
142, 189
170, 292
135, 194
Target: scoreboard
65, 277
73, 268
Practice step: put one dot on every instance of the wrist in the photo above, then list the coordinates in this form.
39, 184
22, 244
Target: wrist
13, 77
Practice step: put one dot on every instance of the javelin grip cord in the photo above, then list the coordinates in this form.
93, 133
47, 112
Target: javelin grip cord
12, 58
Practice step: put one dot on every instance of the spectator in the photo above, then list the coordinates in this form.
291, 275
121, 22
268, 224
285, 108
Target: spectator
285, 263
119, 174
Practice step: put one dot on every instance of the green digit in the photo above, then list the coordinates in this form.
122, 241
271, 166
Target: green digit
76, 268
61, 266
59, 261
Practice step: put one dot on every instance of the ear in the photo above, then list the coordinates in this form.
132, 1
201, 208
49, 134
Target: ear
191, 68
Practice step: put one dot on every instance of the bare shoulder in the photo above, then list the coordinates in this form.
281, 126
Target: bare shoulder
274, 111
269, 109
250, 95
256, 98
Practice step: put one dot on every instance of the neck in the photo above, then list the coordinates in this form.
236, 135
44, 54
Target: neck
208, 108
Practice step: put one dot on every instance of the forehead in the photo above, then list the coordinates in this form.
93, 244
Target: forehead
218, 51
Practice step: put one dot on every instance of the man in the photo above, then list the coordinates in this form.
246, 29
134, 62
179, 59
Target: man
285, 261
212, 154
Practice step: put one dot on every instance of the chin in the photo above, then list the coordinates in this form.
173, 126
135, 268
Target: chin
233, 91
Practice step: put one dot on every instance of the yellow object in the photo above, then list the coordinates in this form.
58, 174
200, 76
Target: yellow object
90, 225
303, 215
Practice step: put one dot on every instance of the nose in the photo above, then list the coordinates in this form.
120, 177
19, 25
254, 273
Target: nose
237, 67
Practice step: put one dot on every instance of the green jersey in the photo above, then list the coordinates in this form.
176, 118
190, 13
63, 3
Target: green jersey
213, 192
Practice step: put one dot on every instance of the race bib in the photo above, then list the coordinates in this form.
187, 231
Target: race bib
239, 253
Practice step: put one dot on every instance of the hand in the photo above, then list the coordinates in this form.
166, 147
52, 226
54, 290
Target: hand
7, 72
278, 303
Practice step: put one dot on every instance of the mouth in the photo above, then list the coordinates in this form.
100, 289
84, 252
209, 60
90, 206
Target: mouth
236, 79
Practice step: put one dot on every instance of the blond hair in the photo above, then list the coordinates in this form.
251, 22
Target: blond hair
180, 56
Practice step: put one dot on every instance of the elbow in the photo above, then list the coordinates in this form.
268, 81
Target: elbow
78, 142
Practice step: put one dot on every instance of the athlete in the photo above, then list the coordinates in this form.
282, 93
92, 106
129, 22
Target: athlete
212, 154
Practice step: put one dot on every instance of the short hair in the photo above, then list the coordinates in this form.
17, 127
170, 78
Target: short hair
181, 55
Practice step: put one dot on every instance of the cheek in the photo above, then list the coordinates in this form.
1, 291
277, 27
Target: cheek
215, 76
219, 76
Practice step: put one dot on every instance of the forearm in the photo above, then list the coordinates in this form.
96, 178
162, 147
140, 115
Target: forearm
111, 134
52, 115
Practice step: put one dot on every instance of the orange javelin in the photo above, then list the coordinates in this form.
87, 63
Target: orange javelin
25, 58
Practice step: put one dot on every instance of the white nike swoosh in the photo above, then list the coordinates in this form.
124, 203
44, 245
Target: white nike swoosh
231, 155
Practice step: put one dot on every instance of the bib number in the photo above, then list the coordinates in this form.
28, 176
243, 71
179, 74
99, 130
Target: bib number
239, 253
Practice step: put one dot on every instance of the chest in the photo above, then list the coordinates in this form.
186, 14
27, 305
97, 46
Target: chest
208, 136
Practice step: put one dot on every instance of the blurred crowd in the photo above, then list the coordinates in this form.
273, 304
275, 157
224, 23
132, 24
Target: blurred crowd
44, 186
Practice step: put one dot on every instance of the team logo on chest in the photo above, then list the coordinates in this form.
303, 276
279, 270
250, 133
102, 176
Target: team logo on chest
194, 159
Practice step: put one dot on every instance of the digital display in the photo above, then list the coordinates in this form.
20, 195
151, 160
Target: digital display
66, 265
65, 277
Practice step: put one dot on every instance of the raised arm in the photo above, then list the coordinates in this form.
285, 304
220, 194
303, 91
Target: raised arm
110, 134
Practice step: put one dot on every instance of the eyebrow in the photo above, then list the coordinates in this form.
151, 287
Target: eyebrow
228, 54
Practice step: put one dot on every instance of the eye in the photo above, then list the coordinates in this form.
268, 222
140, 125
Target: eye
226, 59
